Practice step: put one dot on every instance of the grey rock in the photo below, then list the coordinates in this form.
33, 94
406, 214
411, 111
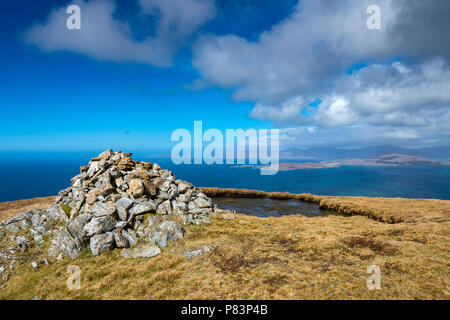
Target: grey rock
23, 224
126, 253
173, 191
35, 265
36, 217
131, 238
184, 198
192, 205
183, 187
121, 241
164, 208
122, 213
76, 227
203, 203
124, 202
67, 244
144, 251
193, 254
99, 225
102, 209
142, 208
196, 253
93, 169
106, 154
152, 220
22, 243
173, 229
37, 237
55, 213
121, 224
12, 227
165, 186
158, 237
101, 242
200, 211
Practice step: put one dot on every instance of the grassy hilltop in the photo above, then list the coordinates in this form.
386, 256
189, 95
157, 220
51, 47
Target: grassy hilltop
292, 257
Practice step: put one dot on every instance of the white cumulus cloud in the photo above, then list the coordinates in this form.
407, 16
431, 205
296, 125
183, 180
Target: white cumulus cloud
105, 38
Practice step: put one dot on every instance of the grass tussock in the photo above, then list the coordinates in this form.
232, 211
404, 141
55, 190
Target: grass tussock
292, 257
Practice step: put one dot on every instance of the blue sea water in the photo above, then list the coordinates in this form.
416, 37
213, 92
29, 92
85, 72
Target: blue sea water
42, 174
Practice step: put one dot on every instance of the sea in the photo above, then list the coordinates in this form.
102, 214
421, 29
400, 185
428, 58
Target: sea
26, 175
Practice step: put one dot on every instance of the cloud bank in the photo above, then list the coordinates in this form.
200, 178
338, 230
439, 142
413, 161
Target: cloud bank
403, 93
105, 38
390, 85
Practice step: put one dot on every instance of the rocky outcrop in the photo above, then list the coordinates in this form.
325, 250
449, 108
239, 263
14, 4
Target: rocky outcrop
115, 202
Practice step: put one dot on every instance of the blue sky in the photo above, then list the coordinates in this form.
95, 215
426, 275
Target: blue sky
246, 64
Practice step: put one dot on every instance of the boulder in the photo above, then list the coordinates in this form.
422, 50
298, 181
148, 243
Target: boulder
145, 251
164, 208
66, 244
102, 209
99, 225
203, 203
173, 229
136, 188
141, 208
131, 238
121, 241
101, 242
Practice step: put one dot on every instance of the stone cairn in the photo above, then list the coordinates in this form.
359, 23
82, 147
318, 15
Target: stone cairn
115, 202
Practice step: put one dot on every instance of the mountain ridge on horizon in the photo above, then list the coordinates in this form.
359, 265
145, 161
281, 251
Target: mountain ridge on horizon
326, 153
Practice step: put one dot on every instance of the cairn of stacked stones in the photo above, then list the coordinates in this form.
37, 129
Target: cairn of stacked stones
115, 202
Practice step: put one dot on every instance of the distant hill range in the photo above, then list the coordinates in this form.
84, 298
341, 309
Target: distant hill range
332, 153
389, 160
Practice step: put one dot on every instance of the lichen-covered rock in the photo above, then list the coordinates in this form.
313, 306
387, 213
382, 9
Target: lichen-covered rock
99, 225
145, 251
56, 213
141, 208
76, 227
101, 242
102, 209
173, 229
131, 237
66, 244
121, 241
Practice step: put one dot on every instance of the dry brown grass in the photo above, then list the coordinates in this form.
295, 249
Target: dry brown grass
292, 257
11, 208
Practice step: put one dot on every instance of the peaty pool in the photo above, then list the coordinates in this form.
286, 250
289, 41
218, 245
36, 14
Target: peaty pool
265, 207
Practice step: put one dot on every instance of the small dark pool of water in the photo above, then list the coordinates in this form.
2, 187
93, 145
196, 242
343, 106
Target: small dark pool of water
265, 207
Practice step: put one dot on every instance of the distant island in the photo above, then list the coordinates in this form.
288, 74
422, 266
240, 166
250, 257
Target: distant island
391, 160
394, 160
